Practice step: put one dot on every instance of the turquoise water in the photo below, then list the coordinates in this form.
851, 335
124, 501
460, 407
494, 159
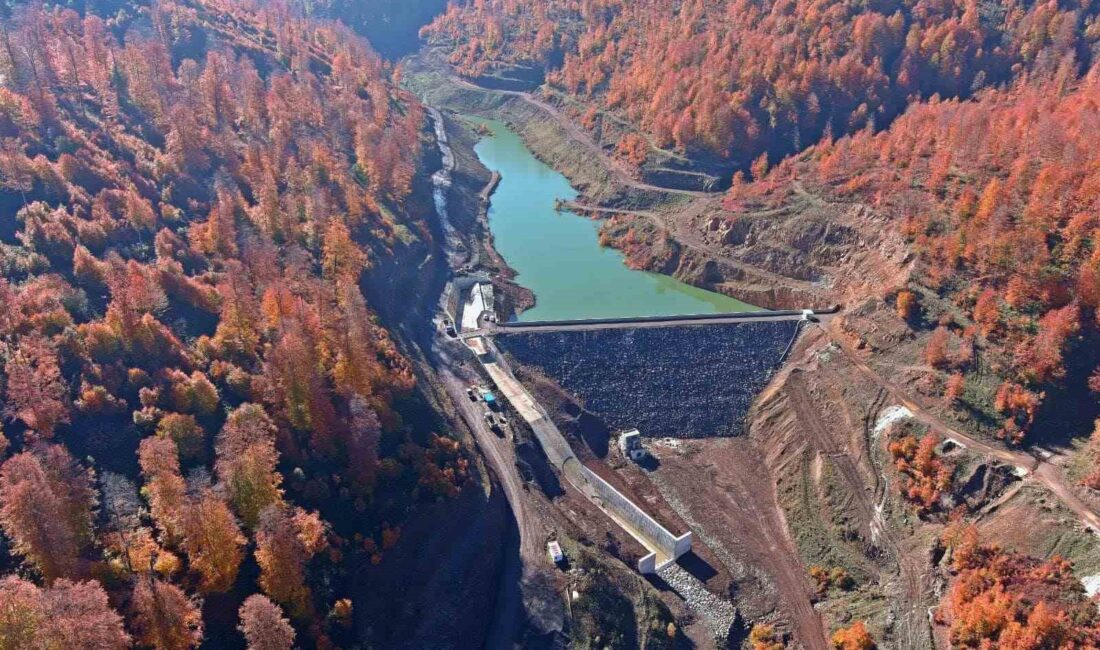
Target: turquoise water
557, 255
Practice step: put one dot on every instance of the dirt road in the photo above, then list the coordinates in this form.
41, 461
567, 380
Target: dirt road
498, 453
679, 225
623, 174
1048, 475
913, 627
729, 500
497, 450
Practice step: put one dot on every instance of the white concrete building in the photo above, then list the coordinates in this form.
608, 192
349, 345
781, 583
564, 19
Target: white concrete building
630, 444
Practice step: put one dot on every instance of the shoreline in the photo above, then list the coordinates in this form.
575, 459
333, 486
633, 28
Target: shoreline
601, 189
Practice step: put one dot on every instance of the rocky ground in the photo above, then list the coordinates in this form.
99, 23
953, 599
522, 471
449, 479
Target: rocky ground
719, 614
684, 382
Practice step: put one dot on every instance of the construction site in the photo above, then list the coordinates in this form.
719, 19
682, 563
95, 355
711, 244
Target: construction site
769, 437
645, 378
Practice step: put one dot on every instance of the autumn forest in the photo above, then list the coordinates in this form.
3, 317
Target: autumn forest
192, 378
210, 210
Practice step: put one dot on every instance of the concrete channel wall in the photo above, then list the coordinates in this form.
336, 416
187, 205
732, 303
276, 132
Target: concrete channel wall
668, 546
663, 546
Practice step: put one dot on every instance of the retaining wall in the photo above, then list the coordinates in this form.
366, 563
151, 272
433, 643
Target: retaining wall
670, 545
664, 547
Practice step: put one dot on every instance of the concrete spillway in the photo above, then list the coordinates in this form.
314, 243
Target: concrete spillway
663, 546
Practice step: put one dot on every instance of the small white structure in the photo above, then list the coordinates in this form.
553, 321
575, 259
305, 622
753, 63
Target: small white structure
479, 302
630, 444
808, 314
553, 549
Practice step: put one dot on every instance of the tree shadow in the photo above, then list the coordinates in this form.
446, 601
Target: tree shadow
1070, 409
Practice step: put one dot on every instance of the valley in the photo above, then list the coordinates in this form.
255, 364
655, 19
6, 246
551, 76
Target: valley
836, 464
586, 324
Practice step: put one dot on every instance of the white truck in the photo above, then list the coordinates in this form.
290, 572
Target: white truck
553, 549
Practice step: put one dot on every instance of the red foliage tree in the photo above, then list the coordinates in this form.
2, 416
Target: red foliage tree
35, 389
64, 615
163, 617
285, 541
46, 502
264, 626
160, 465
1009, 600
956, 384
935, 352
926, 474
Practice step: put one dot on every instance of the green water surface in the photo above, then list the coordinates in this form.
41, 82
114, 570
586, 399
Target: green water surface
557, 255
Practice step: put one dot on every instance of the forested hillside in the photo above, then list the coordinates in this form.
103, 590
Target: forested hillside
199, 404
998, 198
737, 78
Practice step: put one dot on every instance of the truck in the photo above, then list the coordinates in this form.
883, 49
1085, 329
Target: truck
494, 426
490, 399
553, 549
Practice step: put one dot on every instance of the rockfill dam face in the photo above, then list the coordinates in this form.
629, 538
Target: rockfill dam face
678, 382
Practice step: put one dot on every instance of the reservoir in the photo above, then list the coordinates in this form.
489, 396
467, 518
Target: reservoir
557, 255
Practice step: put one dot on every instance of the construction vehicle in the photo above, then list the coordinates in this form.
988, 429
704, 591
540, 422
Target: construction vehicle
553, 549
490, 399
494, 426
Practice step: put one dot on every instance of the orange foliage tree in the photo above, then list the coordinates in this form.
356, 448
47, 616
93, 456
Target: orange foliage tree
212, 541
285, 542
764, 637
1009, 600
246, 459
926, 474
855, 637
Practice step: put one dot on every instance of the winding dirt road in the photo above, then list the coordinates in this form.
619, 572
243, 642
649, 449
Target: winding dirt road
623, 174
1046, 474
498, 451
